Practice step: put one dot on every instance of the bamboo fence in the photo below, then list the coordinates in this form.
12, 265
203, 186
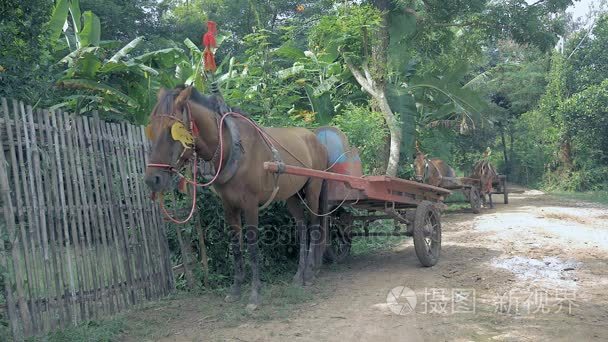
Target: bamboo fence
79, 236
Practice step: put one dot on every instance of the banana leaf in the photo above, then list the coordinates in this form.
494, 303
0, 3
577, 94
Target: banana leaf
165, 57
192, 46
100, 88
76, 15
289, 51
91, 30
322, 105
87, 65
125, 50
58, 19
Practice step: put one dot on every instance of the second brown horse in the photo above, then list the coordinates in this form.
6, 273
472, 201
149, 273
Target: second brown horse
431, 171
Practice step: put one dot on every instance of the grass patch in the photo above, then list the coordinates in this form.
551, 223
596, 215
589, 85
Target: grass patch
94, 331
457, 201
589, 196
369, 245
457, 207
209, 311
181, 311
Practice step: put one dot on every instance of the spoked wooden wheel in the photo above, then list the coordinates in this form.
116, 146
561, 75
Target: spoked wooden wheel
339, 243
475, 200
427, 234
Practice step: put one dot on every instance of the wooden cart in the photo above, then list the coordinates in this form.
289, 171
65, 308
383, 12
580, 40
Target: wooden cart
470, 187
416, 206
499, 186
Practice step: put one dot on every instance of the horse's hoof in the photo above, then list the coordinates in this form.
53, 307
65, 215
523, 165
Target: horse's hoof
251, 307
230, 298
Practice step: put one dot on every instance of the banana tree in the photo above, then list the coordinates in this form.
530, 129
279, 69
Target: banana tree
80, 29
99, 76
319, 75
120, 86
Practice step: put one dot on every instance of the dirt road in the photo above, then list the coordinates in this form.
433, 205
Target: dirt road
533, 270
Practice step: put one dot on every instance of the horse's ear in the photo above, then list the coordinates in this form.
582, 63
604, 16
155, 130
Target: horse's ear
418, 147
183, 96
162, 92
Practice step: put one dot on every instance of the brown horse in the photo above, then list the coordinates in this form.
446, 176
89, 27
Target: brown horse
243, 184
431, 171
486, 173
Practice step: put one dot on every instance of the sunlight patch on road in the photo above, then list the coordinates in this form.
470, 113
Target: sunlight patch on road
575, 228
549, 271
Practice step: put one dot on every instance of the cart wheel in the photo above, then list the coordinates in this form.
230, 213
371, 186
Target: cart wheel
475, 200
504, 191
339, 242
427, 234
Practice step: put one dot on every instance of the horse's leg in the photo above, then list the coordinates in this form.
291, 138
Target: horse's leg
251, 226
490, 197
233, 219
297, 211
317, 236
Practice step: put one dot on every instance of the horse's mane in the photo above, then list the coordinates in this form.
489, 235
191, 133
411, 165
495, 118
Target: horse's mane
164, 106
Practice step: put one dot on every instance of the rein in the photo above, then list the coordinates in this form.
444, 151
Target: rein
193, 130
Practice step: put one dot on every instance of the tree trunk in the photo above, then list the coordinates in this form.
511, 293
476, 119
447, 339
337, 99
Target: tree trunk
504, 148
186, 258
395, 133
565, 153
377, 92
203, 250
379, 67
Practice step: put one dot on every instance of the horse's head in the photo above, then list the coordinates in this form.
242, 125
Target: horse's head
183, 123
167, 153
420, 166
486, 173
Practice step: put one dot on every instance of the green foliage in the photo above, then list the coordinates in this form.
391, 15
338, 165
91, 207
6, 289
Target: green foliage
588, 64
254, 84
126, 20
277, 241
588, 196
24, 56
586, 121
103, 331
563, 142
350, 31
365, 130
535, 145
321, 77
116, 85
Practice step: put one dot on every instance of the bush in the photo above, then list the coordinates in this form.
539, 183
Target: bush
277, 241
366, 131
